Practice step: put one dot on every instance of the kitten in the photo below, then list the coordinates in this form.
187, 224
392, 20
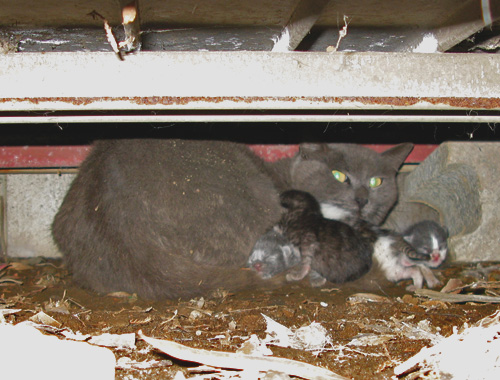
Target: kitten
428, 250
428, 238
169, 218
273, 254
329, 249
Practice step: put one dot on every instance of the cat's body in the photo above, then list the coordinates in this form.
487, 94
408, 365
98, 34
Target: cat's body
428, 240
330, 250
177, 218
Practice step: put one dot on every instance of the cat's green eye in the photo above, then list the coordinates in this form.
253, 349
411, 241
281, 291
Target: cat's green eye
375, 182
339, 176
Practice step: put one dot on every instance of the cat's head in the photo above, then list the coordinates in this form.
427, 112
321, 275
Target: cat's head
349, 180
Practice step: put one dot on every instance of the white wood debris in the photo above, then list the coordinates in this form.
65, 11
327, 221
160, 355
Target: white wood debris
473, 353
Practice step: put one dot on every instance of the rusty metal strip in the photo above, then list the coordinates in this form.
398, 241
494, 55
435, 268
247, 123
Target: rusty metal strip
146, 102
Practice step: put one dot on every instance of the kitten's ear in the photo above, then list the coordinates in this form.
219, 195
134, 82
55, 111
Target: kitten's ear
308, 149
396, 155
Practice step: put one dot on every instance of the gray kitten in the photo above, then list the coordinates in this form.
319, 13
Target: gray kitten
428, 250
169, 218
273, 254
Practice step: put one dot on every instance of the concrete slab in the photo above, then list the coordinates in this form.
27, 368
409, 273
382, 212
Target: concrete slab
235, 80
32, 200
458, 186
482, 243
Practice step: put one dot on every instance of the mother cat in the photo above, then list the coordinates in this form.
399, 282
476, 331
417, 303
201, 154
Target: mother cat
177, 218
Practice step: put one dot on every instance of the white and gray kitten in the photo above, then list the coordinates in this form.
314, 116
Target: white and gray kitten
428, 240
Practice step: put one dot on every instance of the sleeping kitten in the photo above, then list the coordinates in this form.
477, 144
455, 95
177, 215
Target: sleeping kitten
273, 254
169, 218
329, 250
429, 249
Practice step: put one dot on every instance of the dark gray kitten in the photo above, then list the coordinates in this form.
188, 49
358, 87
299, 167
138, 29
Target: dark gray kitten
330, 250
177, 218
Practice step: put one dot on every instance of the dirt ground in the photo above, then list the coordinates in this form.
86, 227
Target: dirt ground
223, 321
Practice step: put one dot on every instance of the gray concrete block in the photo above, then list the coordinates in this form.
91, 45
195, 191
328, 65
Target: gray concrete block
458, 184
32, 200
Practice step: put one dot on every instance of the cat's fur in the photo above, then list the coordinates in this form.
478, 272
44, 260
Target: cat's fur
428, 240
330, 250
177, 218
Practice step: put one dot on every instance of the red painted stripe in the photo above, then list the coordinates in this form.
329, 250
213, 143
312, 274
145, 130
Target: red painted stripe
275, 152
42, 156
418, 154
72, 156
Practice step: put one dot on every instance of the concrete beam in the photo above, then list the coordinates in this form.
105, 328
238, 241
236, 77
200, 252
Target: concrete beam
465, 21
303, 18
248, 80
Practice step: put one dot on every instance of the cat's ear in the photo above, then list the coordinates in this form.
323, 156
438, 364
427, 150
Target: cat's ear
396, 155
308, 149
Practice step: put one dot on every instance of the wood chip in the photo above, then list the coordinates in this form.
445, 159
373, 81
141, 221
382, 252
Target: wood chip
233, 360
456, 298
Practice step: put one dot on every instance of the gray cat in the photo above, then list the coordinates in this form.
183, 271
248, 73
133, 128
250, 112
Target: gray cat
177, 218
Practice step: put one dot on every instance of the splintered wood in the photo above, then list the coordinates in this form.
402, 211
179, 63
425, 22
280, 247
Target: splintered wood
243, 362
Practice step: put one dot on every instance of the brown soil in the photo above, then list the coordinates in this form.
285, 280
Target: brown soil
222, 322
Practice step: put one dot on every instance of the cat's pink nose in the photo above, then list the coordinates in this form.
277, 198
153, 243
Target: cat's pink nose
257, 267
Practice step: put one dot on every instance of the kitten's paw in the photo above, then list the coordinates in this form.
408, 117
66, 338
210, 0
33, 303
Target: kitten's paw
298, 273
412, 288
316, 280
433, 283
431, 280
